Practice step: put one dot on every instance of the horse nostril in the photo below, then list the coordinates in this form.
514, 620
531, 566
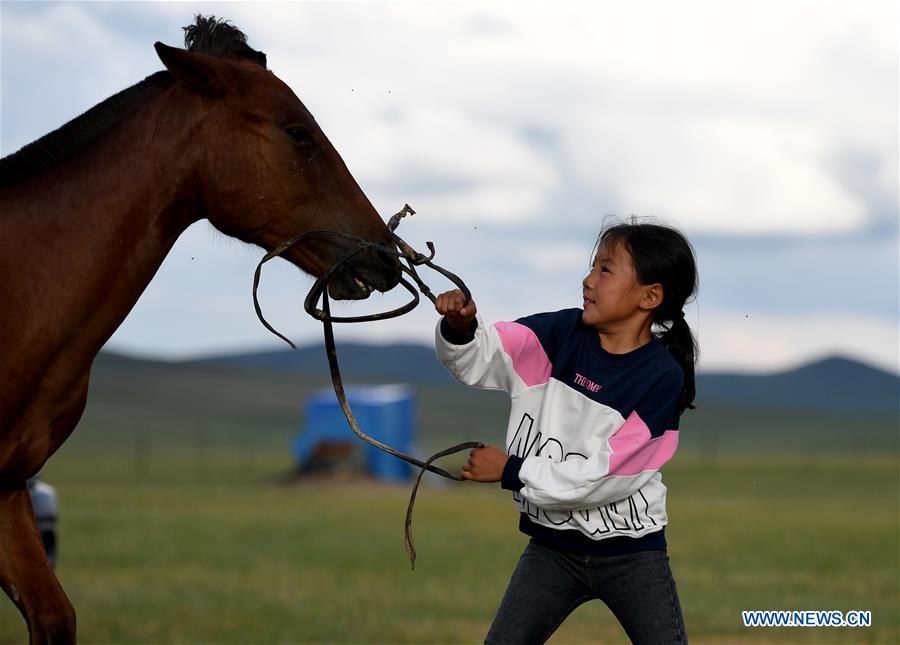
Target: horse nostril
390, 261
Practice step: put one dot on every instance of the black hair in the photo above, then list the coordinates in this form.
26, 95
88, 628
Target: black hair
663, 254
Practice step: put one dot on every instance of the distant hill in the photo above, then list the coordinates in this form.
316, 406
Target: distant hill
834, 384
397, 362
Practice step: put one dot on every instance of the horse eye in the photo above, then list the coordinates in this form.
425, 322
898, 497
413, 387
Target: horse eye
299, 135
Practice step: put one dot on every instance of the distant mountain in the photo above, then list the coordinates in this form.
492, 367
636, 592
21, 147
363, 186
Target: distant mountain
834, 384
399, 362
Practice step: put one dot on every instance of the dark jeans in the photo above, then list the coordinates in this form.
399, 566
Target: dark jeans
548, 585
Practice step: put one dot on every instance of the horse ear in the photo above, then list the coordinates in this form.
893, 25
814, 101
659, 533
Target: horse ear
201, 73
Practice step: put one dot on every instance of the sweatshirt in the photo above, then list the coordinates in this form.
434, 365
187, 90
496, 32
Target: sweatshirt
588, 430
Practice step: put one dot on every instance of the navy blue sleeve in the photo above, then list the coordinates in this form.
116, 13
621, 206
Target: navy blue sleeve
552, 328
510, 477
455, 337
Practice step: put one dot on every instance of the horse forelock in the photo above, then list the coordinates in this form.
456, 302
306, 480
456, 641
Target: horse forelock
221, 39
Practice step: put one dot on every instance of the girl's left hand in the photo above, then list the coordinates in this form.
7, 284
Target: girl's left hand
485, 464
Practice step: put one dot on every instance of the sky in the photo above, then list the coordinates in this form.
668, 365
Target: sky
766, 131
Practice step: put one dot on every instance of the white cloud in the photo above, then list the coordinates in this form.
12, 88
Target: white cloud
766, 342
555, 256
725, 117
443, 160
720, 174
59, 62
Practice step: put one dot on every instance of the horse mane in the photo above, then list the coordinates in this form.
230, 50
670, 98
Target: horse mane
207, 36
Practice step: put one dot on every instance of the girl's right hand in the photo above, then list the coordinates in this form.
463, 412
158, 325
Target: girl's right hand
453, 306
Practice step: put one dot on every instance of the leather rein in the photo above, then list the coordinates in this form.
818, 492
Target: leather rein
409, 260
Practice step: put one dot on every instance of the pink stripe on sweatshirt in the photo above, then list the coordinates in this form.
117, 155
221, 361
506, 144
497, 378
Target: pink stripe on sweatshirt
528, 356
633, 449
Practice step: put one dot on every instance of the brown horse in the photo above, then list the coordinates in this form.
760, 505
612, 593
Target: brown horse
89, 212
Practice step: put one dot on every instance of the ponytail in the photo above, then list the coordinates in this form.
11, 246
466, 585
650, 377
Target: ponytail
679, 340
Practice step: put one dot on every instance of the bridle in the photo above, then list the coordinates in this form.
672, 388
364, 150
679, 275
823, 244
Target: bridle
405, 253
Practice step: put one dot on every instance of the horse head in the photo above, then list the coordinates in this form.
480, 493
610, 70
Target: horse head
267, 171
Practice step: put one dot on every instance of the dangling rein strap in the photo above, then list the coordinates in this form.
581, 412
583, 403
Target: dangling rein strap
320, 290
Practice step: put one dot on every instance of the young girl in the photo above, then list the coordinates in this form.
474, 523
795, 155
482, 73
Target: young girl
596, 393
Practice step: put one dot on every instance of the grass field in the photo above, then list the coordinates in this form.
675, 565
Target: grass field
187, 546
173, 528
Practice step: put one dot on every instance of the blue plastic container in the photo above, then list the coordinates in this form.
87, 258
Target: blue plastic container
384, 412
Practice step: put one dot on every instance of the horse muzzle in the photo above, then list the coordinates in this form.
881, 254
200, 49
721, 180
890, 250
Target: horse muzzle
372, 269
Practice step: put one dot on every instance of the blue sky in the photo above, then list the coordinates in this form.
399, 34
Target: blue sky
766, 131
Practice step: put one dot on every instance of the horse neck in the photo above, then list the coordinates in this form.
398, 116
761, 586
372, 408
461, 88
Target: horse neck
133, 183
94, 230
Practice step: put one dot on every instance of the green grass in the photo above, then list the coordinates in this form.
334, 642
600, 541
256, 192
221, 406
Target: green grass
193, 544
174, 530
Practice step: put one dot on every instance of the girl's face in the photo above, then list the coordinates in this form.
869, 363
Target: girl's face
611, 290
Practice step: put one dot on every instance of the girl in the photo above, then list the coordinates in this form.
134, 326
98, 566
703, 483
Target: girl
596, 393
